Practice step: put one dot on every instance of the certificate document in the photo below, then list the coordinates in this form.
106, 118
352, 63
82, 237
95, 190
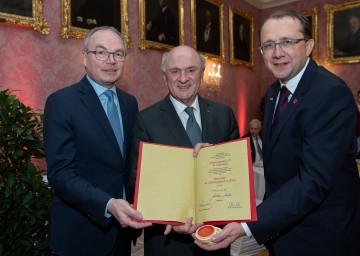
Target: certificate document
215, 187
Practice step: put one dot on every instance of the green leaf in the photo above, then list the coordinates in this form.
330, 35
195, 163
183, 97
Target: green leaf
25, 200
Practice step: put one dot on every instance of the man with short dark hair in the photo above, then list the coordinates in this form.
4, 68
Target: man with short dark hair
312, 192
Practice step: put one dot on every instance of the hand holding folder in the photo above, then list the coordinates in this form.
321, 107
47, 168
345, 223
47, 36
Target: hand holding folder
215, 187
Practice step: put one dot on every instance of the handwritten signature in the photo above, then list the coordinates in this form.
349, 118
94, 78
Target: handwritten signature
217, 197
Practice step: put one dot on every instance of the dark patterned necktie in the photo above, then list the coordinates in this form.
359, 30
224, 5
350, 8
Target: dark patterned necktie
281, 106
192, 127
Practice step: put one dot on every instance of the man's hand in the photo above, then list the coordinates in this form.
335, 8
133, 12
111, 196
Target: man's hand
125, 214
198, 147
188, 228
228, 235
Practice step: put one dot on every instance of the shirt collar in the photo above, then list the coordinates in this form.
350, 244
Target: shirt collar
292, 84
180, 107
99, 89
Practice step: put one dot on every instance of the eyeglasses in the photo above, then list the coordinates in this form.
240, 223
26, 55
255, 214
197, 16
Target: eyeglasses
104, 55
283, 44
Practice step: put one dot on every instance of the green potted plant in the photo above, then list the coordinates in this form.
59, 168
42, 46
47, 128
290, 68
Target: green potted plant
25, 198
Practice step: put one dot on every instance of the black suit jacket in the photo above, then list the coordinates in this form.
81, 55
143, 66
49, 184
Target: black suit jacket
351, 46
212, 45
161, 124
85, 169
252, 146
164, 23
312, 200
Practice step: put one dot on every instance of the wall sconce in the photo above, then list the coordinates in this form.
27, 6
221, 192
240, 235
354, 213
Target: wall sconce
214, 79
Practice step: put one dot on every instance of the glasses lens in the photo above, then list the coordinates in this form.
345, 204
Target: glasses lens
119, 56
101, 55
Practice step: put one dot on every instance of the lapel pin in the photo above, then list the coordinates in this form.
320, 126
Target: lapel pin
271, 99
295, 101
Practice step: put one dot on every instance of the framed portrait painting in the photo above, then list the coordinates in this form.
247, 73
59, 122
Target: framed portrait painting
312, 16
24, 13
343, 33
79, 16
161, 24
207, 28
241, 28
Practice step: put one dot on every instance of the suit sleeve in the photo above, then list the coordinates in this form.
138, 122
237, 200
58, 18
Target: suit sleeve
139, 134
61, 153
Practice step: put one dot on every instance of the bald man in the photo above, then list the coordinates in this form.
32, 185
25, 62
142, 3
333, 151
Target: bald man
165, 123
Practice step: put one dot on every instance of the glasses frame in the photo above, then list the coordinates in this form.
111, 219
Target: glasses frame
294, 42
108, 55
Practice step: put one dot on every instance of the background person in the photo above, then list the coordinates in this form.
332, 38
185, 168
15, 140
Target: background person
241, 44
87, 167
94, 13
255, 138
351, 46
312, 199
165, 123
208, 39
163, 28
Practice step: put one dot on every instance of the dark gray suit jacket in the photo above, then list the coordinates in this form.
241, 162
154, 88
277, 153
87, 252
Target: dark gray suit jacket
161, 124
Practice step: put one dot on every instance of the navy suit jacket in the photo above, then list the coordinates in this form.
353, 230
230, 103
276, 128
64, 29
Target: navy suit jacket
312, 199
161, 124
85, 168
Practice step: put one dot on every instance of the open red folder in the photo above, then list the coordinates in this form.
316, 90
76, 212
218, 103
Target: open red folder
216, 187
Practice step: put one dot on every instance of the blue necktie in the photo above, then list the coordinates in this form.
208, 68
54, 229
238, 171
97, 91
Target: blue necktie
281, 106
192, 127
113, 117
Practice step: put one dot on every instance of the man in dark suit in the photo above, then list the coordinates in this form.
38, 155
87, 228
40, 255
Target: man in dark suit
165, 123
312, 199
94, 13
351, 46
208, 38
163, 28
255, 140
88, 160
241, 43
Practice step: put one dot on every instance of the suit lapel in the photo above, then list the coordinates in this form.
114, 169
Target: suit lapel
91, 101
295, 101
173, 123
207, 120
270, 102
125, 118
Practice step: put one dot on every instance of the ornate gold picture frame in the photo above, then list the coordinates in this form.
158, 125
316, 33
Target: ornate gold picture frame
207, 18
312, 15
79, 16
29, 14
241, 32
161, 27
343, 35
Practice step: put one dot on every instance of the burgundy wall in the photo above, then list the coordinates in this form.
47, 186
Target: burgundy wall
36, 65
